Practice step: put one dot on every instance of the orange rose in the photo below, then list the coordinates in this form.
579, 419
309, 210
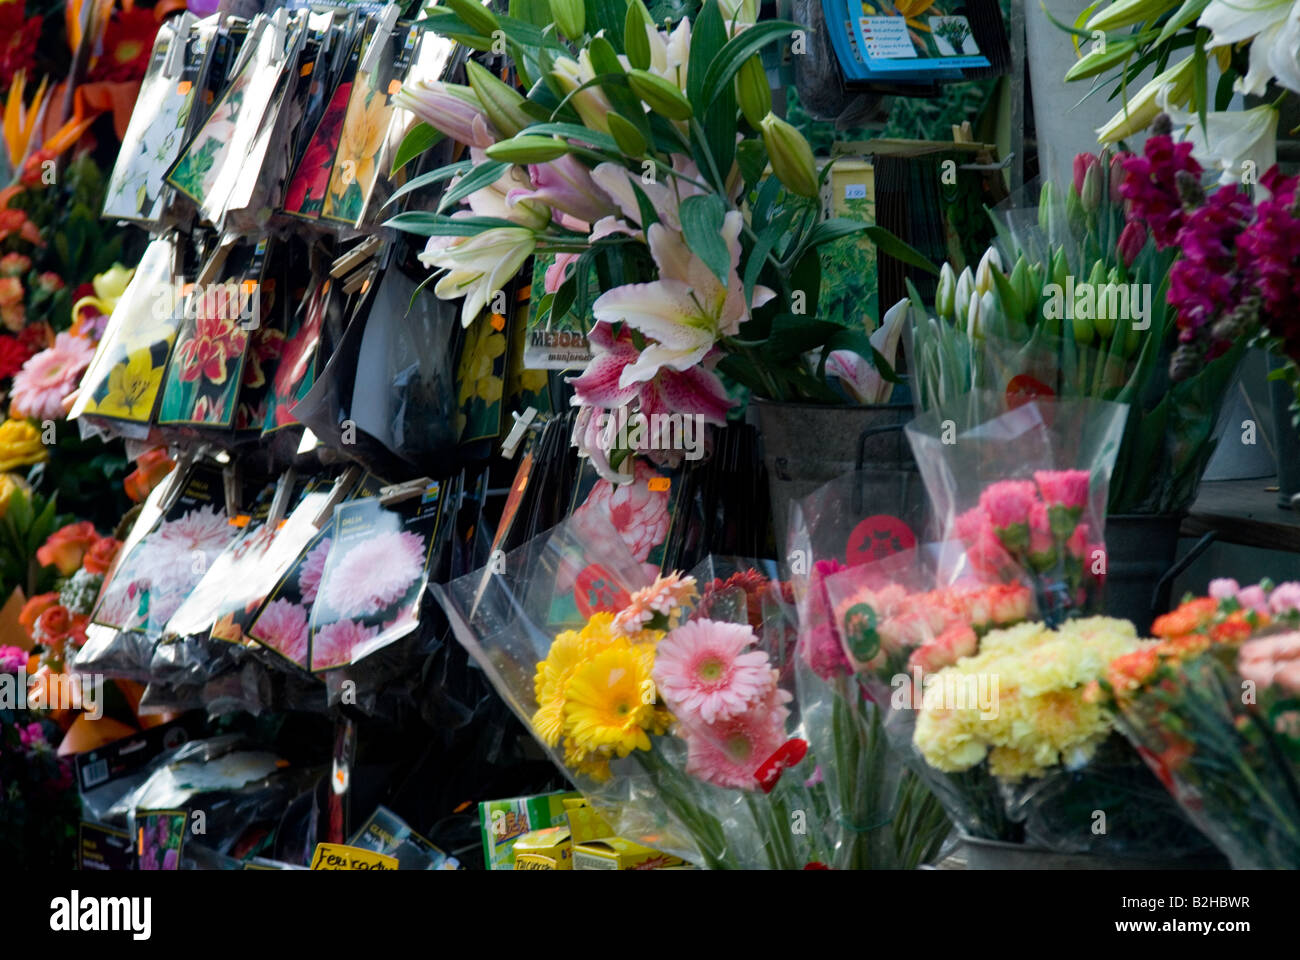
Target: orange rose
100, 556
33, 608
54, 624
66, 547
11, 291
149, 471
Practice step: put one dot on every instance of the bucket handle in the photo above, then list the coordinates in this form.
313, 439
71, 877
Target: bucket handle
869, 432
1166, 582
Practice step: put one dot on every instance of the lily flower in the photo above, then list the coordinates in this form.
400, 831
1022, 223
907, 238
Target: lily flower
506, 198
565, 184
686, 310
1174, 85
591, 103
478, 266
1238, 140
449, 108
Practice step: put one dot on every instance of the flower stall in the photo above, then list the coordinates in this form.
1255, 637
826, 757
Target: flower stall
647, 434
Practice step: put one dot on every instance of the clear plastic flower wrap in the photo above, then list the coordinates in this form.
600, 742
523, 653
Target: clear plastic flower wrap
1024, 488
1213, 708
880, 814
993, 709
591, 657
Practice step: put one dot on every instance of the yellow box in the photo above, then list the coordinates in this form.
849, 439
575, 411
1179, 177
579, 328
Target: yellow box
615, 853
585, 822
549, 849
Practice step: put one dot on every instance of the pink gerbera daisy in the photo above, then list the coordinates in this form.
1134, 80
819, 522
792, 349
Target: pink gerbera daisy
283, 627
730, 752
333, 644
374, 573
40, 386
313, 567
704, 670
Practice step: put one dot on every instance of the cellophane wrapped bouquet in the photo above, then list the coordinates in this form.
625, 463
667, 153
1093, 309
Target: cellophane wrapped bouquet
661, 700
1024, 488
1213, 707
882, 815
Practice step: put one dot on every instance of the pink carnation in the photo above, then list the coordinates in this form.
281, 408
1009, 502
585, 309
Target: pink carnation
1063, 488
1041, 542
12, 660
1007, 502
333, 644
1224, 588
40, 386
1285, 598
1272, 661
1253, 598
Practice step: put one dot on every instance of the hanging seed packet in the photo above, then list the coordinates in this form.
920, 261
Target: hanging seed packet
167, 563
124, 378
243, 209
281, 623
234, 567
365, 127
206, 368
420, 56
156, 133
375, 574
305, 196
262, 556
266, 340
296, 370
207, 169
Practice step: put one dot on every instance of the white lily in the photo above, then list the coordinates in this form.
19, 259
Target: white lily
1238, 141
1273, 29
478, 266
686, 310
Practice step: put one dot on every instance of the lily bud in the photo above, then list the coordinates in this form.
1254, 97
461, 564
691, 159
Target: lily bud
945, 296
627, 136
1177, 82
528, 148
790, 156
635, 39
452, 109
1125, 13
662, 96
476, 16
753, 92
591, 103
570, 16
500, 102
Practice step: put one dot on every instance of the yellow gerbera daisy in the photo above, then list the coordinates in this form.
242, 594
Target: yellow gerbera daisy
611, 700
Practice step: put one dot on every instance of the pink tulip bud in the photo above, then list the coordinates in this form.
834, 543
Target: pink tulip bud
1083, 162
1131, 240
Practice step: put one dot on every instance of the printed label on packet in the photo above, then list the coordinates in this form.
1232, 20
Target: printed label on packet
338, 856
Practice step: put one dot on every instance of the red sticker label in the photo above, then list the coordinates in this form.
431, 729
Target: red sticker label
787, 755
596, 592
1023, 388
877, 537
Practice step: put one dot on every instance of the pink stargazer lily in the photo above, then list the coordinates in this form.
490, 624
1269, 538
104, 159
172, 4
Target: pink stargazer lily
565, 184
696, 390
451, 109
686, 310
